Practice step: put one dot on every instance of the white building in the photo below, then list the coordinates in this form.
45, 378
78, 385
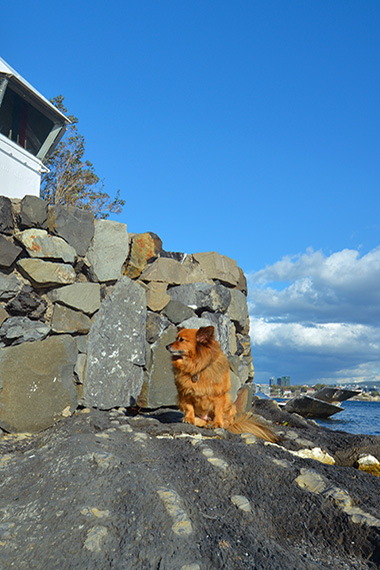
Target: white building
30, 127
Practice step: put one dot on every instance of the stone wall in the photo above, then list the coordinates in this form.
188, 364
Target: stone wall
86, 311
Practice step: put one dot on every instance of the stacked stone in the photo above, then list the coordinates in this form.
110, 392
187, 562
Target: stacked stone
191, 291
86, 312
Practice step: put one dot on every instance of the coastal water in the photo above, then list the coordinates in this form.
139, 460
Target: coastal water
357, 417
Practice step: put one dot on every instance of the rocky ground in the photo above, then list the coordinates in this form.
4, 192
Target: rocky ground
106, 490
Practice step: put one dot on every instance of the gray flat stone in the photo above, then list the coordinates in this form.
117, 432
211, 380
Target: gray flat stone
219, 267
109, 250
36, 384
67, 320
116, 348
84, 297
39, 243
47, 273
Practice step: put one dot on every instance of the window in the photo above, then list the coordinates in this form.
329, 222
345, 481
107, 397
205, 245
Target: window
21, 122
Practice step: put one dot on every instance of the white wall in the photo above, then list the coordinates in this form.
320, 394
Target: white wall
20, 172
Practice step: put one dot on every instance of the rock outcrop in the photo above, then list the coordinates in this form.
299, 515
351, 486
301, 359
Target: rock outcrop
120, 298
104, 490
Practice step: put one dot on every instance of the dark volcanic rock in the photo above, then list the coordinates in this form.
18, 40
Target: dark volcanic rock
33, 213
72, 224
9, 252
104, 491
27, 303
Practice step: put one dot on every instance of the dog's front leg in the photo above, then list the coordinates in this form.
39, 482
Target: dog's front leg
189, 417
219, 406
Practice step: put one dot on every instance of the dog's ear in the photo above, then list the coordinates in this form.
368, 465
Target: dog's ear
205, 334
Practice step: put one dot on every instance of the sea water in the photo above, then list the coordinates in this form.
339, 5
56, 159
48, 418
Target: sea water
357, 417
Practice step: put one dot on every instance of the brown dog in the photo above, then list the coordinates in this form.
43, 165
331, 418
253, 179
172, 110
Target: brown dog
202, 378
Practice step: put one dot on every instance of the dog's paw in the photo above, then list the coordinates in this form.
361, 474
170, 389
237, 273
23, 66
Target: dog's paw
187, 420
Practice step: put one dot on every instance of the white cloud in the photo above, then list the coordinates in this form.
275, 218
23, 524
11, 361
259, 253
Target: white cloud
315, 317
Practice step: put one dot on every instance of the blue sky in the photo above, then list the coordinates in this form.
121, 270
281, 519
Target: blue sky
250, 128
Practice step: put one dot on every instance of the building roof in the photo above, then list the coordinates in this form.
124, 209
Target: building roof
7, 71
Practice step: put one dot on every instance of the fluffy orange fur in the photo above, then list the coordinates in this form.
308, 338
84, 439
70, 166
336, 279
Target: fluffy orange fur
202, 379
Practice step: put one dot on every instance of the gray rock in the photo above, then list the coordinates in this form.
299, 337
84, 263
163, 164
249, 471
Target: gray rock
159, 388
84, 297
67, 320
177, 312
226, 332
238, 311
9, 286
155, 326
219, 267
36, 384
39, 243
46, 273
27, 303
165, 270
109, 250
116, 348
6, 215
74, 225
202, 296
81, 341
33, 213
9, 252
17, 330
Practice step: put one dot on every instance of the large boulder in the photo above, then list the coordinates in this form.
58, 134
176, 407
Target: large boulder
74, 225
46, 273
38, 243
109, 250
36, 384
116, 348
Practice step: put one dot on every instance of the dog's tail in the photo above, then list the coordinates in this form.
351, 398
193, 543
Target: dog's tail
247, 423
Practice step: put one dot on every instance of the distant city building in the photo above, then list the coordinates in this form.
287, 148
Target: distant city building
272, 381
262, 388
284, 381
